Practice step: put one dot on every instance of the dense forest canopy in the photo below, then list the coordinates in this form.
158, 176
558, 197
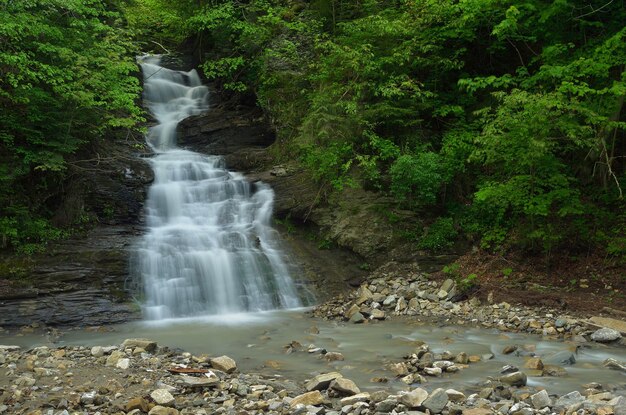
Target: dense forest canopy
66, 79
499, 120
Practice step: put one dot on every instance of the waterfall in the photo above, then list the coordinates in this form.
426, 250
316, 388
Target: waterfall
209, 247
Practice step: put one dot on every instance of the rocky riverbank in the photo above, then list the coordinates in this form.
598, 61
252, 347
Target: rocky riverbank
139, 377
403, 290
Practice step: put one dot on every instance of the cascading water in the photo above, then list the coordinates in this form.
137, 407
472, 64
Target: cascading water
209, 248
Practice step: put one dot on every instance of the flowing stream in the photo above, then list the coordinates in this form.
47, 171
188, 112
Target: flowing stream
257, 342
209, 247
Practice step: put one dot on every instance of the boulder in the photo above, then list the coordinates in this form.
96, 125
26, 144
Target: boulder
455, 395
351, 400
605, 335
199, 382
344, 386
137, 403
534, 363
162, 397
308, 398
333, 356
436, 401
414, 398
351, 311
569, 400
114, 358
146, 344
357, 318
514, 379
97, 351
541, 400
123, 364
162, 410
322, 381
614, 364
224, 363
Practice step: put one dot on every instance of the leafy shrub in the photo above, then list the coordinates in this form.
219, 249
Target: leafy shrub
439, 236
417, 179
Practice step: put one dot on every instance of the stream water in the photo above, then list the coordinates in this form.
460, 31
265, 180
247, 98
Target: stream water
257, 342
209, 247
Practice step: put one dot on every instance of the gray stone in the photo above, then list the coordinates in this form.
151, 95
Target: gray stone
357, 318
24, 381
114, 358
333, 356
162, 410
377, 314
386, 406
308, 398
436, 401
146, 344
351, 400
541, 400
224, 363
619, 405
6, 348
433, 371
97, 351
322, 381
414, 398
561, 358
87, 398
514, 379
162, 397
455, 395
123, 364
605, 335
614, 364
199, 382
351, 311
447, 285
569, 400
344, 386
389, 300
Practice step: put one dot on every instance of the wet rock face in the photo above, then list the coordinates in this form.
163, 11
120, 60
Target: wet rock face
82, 280
107, 186
239, 134
79, 281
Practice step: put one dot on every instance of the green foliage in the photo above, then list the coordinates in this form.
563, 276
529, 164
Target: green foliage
463, 283
504, 117
466, 283
417, 178
439, 236
66, 78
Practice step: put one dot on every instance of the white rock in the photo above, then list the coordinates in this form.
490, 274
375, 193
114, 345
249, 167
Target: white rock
455, 396
97, 351
433, 371
123, 364
162, 397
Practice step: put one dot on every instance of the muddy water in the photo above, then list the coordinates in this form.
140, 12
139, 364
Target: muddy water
257, 342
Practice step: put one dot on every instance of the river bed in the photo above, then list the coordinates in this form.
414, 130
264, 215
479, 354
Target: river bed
259, 342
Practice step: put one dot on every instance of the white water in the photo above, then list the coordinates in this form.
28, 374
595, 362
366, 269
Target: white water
209, 247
